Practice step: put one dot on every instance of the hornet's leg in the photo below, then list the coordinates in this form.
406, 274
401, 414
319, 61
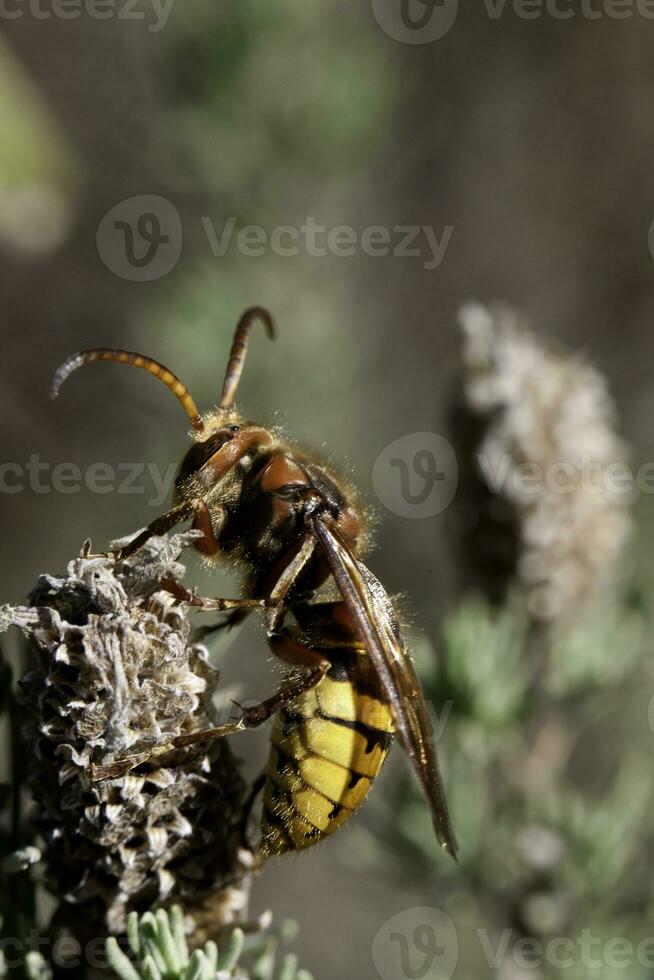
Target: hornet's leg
207, 545
197, 509
283, 644
158, 526
239, 608
278, 601
212, 473
232, 619
275, 606
251, 717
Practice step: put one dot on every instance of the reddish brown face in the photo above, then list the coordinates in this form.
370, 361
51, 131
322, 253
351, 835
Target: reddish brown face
296, 487
280, 492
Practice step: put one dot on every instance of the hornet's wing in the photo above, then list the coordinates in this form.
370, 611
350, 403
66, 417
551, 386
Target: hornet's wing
374, 616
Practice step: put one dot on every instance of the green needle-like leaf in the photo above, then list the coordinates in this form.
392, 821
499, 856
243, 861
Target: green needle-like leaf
150, 969
166, 943
133, 937
229, 955
119, 962
288, 968
179, 935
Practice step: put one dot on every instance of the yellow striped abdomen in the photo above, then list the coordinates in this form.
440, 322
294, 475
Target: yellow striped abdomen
326, 750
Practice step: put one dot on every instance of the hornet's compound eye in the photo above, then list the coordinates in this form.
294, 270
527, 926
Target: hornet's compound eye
307, 497
294, 492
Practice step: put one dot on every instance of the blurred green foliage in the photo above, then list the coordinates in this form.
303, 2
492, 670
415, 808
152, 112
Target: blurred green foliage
552, 833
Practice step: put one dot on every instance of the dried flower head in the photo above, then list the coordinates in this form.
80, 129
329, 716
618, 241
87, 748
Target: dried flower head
549, 449
116, 667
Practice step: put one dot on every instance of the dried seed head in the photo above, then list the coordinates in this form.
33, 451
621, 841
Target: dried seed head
550, 449
116, 668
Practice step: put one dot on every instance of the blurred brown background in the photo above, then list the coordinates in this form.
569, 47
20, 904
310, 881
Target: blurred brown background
533, 139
